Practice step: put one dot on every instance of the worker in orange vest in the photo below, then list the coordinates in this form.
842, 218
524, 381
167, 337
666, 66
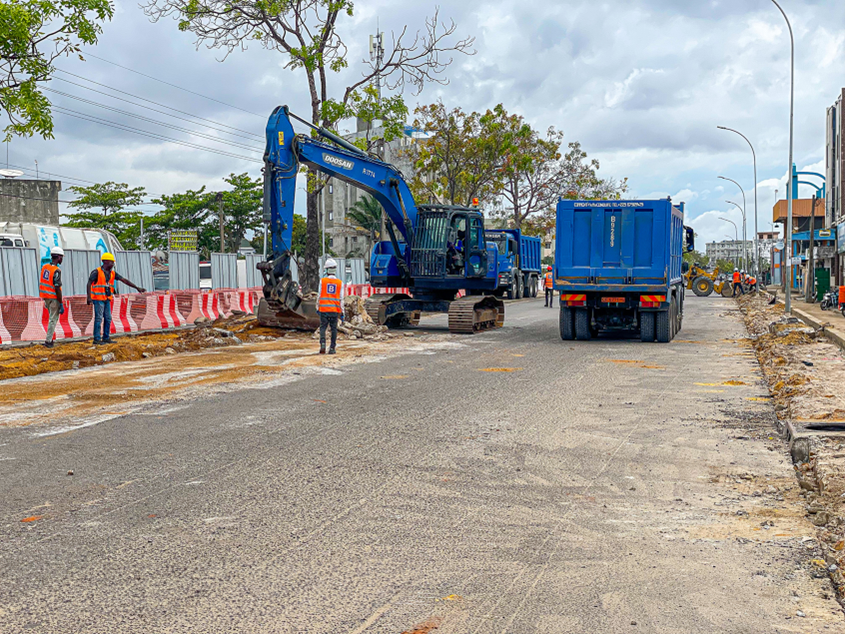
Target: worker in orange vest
752, 284
548, 284
50, 290
101, 289
329, 305
737, 283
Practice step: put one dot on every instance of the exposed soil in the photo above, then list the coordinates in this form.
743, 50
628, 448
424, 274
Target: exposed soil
806, 376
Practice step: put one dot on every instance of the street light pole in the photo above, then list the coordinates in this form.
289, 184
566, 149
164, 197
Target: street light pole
744, 234
744, 241
756, 237
788, 233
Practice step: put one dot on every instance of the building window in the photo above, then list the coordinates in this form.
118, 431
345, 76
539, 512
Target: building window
355, 240
331, 242
331, 216
548, 245
331, 188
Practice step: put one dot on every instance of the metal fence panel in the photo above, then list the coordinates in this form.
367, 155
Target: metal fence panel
224, 270
18, 271
184, 270
76, 268
135, 266
350, 270
253, 275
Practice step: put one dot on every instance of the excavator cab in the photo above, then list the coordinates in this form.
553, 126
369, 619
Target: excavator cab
448, 243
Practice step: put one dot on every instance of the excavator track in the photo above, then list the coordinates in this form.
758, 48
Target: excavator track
475, 313
374, 310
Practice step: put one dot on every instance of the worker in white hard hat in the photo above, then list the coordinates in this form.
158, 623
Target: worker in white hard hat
737, 283
330, 305
50, 290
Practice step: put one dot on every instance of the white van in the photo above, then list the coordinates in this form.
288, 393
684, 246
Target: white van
12, 240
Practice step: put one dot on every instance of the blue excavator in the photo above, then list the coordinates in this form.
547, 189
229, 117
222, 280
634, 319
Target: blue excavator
433, 250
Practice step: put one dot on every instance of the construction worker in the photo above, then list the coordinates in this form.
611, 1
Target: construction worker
50, 290
737, 283
548, 284
101, 289
329, 305
752, 284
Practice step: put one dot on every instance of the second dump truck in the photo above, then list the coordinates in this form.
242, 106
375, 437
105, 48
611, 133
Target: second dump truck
519, 262
618, 266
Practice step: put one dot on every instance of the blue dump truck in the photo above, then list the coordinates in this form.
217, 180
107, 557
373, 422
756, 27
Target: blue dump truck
618, 267
519, 262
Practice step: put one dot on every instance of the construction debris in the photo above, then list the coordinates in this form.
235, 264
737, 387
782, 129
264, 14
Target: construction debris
806, 377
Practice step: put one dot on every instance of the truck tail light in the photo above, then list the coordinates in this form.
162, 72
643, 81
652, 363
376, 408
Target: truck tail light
652, 301
569, 299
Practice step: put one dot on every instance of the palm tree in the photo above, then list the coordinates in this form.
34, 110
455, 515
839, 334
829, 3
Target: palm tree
367, 214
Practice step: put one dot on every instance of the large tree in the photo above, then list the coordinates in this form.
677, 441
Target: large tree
33, 34
104, 206
460, 155
200, 209
367, 214
307, 33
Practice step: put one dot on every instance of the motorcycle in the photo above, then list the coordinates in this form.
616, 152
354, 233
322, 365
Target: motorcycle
830, 301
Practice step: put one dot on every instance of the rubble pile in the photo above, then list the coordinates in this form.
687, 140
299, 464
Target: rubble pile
806, 377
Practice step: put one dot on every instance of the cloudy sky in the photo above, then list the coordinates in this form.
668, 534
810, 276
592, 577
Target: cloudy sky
642, 84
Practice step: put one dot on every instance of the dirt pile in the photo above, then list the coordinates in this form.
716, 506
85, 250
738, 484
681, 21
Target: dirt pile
18, 362
806, 376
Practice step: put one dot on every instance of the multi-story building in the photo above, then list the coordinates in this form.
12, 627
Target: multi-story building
765, 241
731, 250
344, 237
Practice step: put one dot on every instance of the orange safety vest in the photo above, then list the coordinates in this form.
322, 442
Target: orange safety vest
46, 286
752, 281
548, 280
737, 277
329, 300
103, 289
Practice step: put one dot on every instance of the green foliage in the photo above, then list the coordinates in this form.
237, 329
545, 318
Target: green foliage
726, 266
548, 260
462, 157
367, 214
696, 257
494, 154
111, 199
198, 209
33, 34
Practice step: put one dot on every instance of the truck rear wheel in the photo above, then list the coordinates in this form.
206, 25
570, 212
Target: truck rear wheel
647, 327
663, 326
702, 286
582, 324
512, 289
534, 285
519, 286
567, 324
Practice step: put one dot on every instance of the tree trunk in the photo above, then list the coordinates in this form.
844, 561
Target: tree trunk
310, 275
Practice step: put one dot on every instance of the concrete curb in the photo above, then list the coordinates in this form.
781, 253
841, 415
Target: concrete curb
830, 331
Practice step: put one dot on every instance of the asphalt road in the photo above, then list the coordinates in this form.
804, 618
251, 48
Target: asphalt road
504, 483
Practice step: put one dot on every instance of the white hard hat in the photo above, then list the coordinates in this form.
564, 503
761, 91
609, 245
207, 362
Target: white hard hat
331, 264
57, 251
736, 270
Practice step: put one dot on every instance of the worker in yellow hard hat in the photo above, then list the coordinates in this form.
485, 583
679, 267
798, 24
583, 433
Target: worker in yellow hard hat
101, 289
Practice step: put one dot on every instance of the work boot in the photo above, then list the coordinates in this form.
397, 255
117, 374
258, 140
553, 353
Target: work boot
108, 341
332, 351
48, 344
322, 349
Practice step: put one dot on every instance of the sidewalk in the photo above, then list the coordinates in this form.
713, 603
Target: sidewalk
832, 320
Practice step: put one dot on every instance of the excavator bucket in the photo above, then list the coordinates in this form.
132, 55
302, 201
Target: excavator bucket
273, 314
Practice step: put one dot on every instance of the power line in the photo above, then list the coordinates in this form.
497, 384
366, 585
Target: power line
155, 121
167, 83
251, 137
50, 200
123, 92
152, 135
62, 176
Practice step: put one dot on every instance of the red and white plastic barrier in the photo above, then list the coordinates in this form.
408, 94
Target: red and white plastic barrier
66, 327
162, 312
5, 335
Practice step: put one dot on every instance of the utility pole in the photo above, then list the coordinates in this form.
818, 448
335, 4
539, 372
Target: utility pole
141, 237
220, 215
